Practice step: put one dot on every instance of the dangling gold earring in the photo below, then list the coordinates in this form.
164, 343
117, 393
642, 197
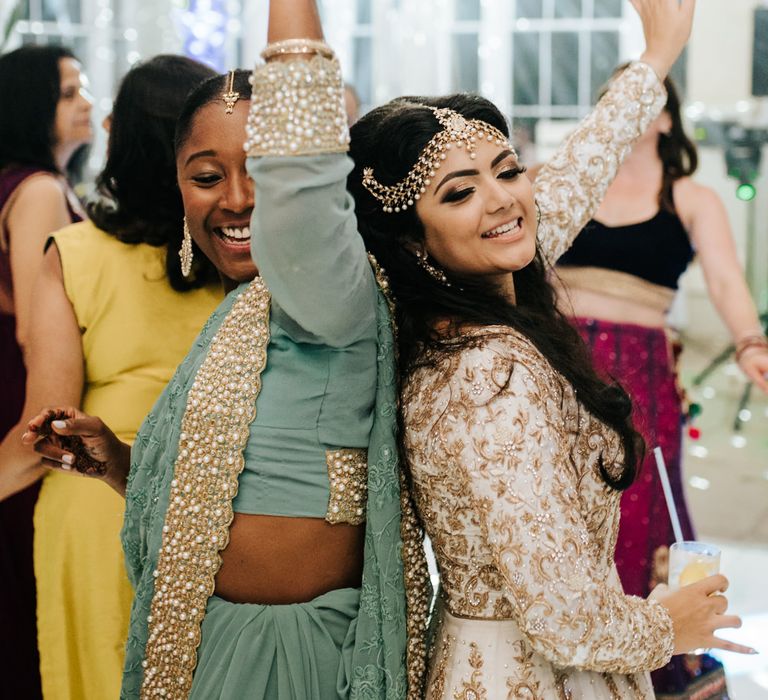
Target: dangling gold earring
430, 269
538, 213
186, 251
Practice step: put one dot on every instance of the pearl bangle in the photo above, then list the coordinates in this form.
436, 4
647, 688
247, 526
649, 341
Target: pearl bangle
297, 46
297, 108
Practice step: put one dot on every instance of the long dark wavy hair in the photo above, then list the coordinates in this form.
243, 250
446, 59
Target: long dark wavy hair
30, 84
390, 139
678, 154
137, 199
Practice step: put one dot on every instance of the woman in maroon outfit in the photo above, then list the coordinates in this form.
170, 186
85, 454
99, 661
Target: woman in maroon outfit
39, 136
619, 279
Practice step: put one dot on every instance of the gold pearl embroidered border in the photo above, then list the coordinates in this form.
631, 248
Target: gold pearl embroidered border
214, 431
418, 587
348, 480
418, 590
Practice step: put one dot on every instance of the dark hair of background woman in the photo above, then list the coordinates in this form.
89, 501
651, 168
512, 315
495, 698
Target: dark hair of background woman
30, 87
137, 199
207, 93
676, 151
390, 139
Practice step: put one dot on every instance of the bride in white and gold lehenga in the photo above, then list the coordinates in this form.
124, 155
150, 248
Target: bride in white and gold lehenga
517, 450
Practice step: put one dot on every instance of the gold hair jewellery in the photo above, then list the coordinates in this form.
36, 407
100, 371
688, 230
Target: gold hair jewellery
230, 96
297, 46
457, 131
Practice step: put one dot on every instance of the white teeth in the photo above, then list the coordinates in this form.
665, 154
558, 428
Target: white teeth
240, 233
504, 228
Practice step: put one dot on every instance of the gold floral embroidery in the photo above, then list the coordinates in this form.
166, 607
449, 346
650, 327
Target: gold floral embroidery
524, 686
214, 431
473, 689
437, 683
561, 683
612, 687
348, 477
635, 687
418, 590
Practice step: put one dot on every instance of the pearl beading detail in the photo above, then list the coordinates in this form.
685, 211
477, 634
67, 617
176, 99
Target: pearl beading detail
457, 132
297, 108
416, 579
214, 431
348, 479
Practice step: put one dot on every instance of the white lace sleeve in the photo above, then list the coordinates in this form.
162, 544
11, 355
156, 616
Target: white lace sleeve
524, 481
571, 185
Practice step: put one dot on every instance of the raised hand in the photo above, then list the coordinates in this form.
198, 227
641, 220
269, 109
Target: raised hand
667, 27
72, 441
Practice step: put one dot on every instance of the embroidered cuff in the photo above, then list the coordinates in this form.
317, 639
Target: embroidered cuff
297, 108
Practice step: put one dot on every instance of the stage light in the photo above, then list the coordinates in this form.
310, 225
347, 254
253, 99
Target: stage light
745, 192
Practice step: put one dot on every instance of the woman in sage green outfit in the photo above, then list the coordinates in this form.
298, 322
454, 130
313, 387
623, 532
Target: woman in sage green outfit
263, 506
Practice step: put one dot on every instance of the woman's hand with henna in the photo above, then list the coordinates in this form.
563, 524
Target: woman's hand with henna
68, 439
697, 611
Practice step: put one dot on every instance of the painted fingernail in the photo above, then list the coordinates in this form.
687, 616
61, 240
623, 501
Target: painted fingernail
65, 467
59, 424
68, 459
753, 651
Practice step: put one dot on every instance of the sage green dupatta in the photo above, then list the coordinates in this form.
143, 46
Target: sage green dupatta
184, 468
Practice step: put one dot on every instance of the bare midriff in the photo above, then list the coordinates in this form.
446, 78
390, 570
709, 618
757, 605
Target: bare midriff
278, 560
585, 303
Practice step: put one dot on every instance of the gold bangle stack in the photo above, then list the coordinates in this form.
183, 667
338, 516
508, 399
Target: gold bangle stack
756, 340
289, 47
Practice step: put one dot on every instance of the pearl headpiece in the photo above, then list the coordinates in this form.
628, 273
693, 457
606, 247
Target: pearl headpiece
457, 131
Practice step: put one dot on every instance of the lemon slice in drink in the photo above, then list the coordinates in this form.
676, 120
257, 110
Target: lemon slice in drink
695, 571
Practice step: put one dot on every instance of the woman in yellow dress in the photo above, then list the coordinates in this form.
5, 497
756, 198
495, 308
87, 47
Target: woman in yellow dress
113, 316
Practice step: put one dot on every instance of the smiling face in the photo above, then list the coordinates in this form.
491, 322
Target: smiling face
216, 189
479, 214
72, 126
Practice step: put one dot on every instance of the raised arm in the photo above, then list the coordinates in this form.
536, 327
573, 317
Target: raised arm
303, 230
571, 185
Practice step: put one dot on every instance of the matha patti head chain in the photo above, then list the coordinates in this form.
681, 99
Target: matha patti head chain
457, 131
230, 96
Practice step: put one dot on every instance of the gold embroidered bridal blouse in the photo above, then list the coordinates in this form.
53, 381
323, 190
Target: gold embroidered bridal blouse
505, 467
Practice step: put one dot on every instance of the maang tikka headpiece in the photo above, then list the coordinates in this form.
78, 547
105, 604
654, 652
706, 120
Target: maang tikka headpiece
457, 131
230, 96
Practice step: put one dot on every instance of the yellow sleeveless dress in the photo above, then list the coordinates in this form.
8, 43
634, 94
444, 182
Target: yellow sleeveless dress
135, 330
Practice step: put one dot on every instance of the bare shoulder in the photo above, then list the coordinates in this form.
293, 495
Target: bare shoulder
41, 188
692, 198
